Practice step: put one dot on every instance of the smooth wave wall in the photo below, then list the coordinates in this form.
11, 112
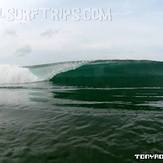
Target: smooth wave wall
118, 73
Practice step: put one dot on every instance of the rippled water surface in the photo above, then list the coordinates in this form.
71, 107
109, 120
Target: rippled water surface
45, 123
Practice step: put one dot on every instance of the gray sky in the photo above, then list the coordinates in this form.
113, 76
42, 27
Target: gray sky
134, 33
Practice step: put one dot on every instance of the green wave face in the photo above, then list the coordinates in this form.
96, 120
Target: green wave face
101, 74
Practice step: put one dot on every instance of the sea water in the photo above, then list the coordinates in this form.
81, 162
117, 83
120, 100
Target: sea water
81, 112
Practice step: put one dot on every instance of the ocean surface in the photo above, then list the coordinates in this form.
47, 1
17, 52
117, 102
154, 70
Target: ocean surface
81, 112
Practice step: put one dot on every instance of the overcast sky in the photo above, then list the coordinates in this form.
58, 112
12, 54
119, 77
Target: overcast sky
135, 32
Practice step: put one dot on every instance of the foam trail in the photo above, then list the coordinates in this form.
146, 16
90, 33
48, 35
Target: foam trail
11, 74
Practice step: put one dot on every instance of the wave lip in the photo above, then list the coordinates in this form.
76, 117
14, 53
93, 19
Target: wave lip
48, 71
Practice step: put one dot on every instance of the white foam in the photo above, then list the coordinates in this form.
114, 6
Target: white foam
11, 74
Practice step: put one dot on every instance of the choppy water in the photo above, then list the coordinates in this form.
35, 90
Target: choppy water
52, 122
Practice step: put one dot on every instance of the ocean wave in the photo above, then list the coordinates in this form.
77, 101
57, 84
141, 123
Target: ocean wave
95, 74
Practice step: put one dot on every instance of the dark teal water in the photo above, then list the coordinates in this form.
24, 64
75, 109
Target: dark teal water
104, 118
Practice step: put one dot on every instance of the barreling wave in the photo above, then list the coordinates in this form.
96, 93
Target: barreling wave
12, 74
113, 73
